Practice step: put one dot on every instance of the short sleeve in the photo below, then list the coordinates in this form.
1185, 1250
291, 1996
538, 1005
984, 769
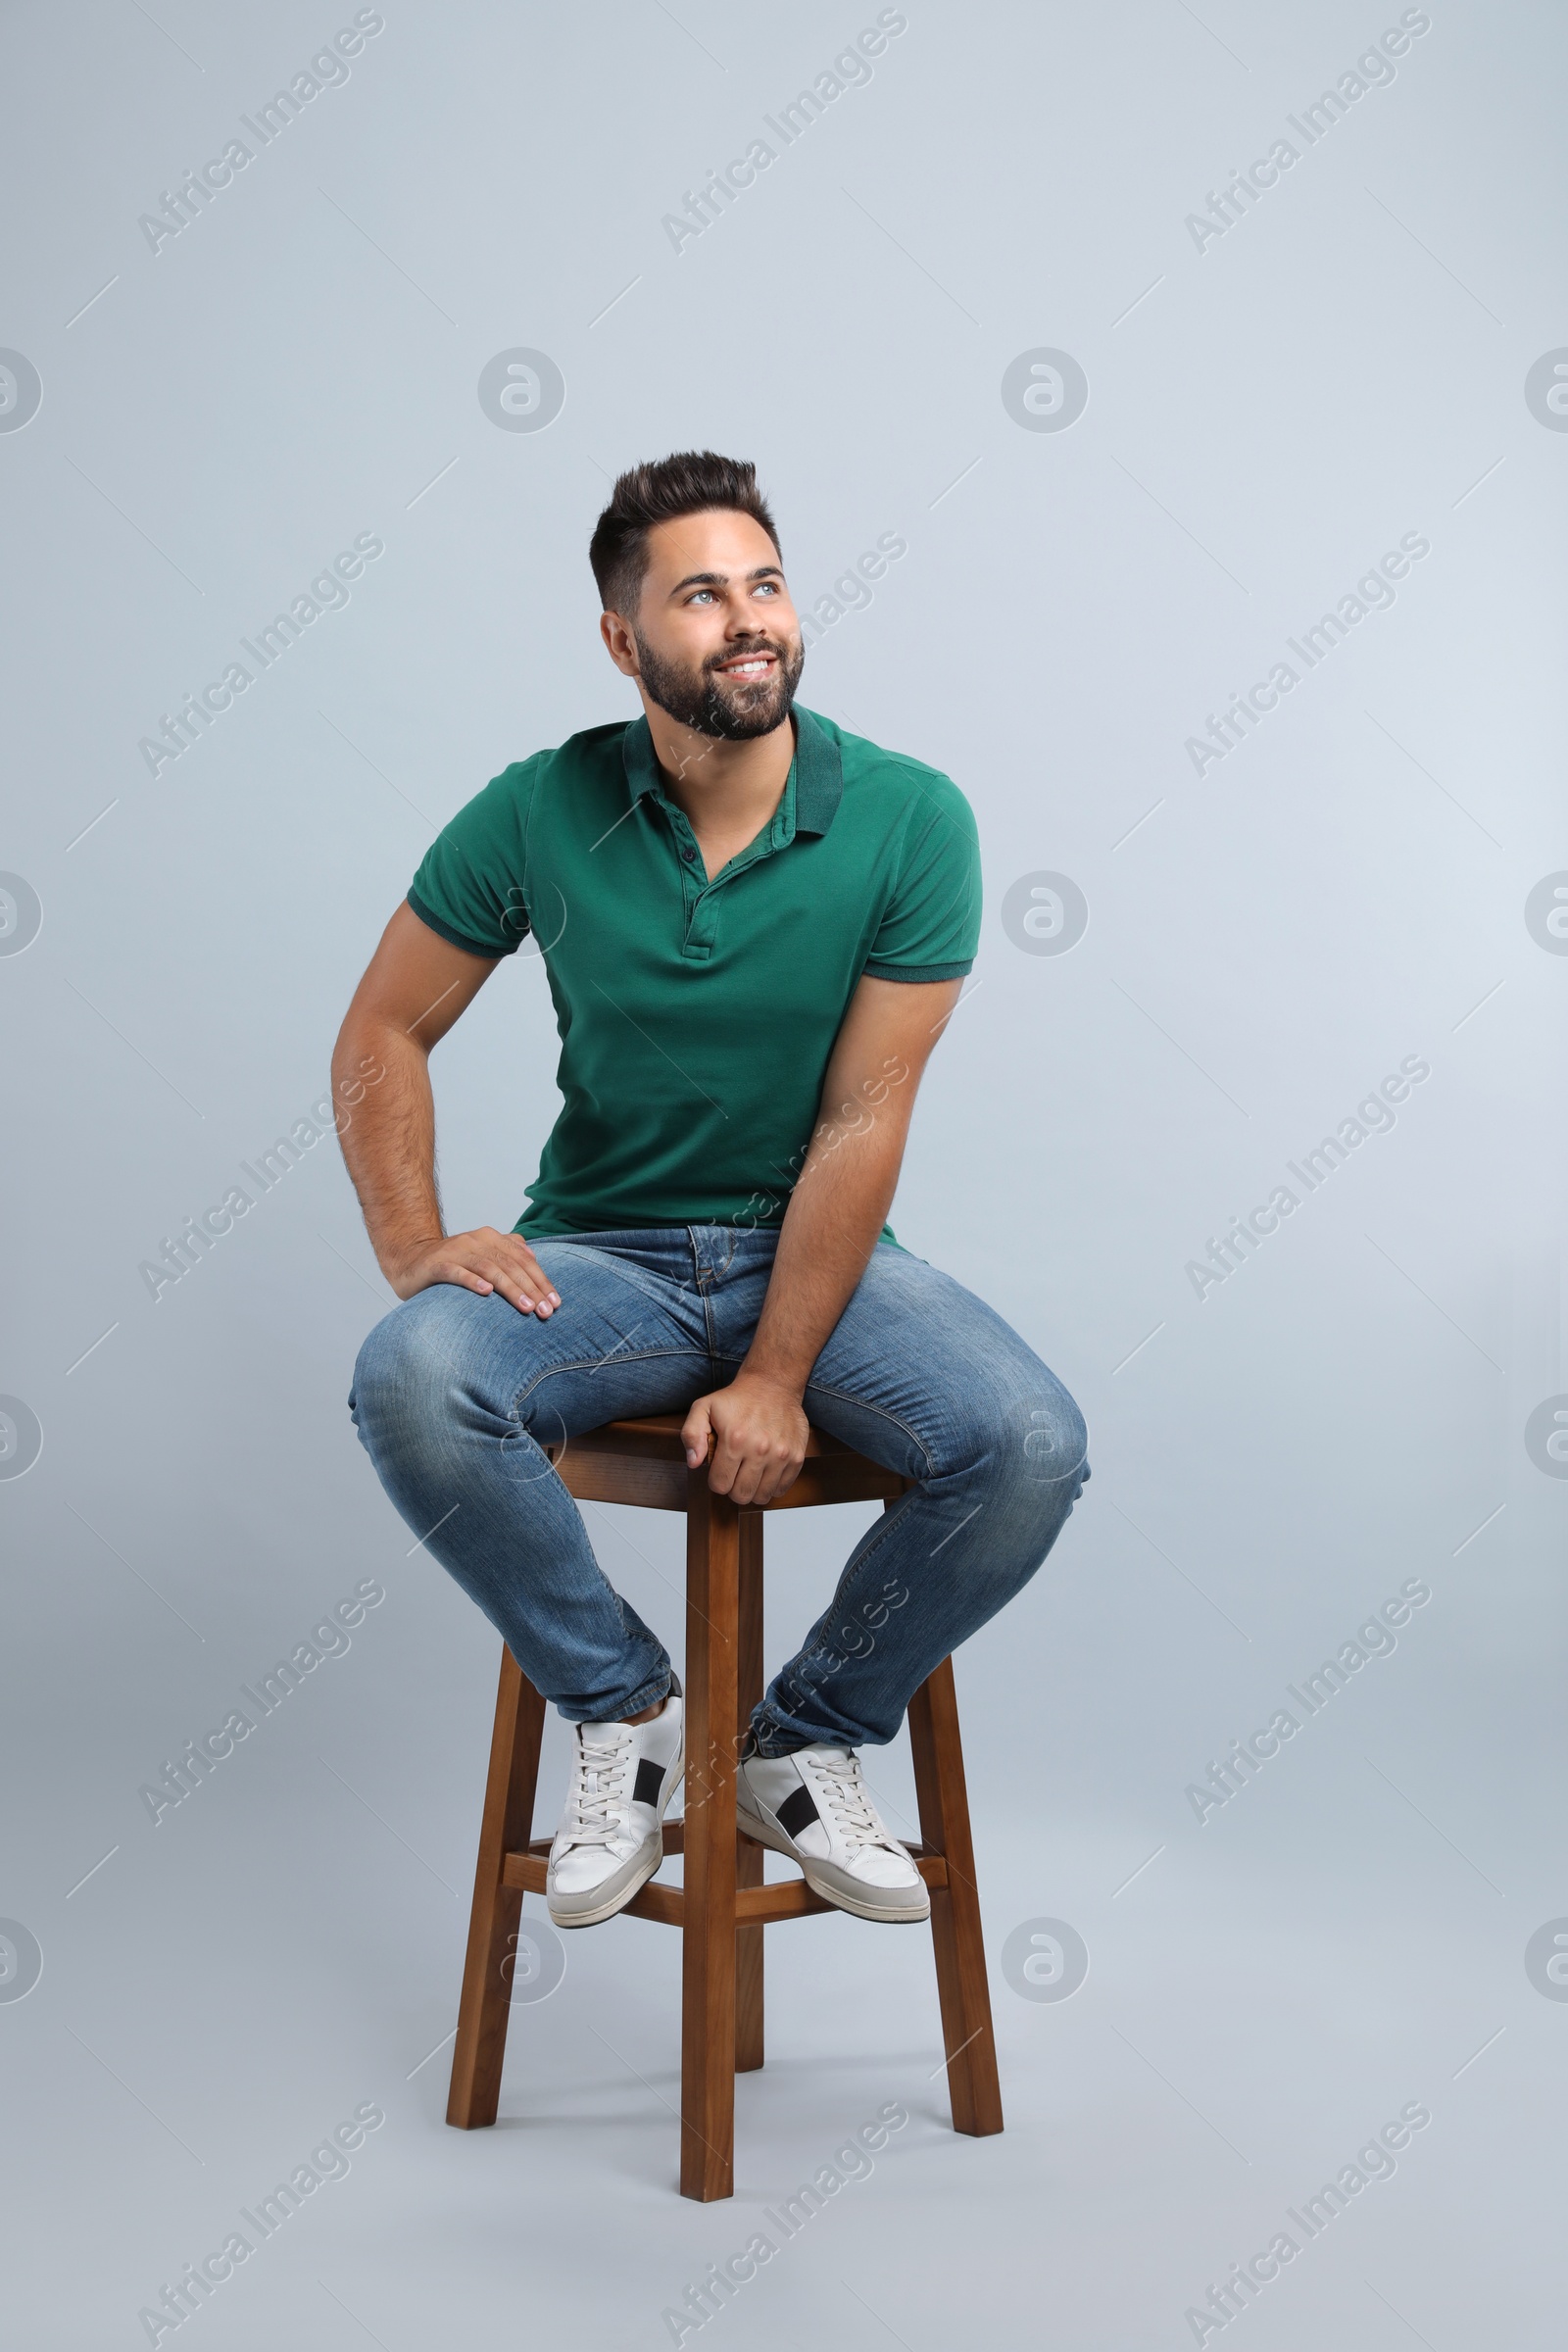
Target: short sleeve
931, 927
470, 888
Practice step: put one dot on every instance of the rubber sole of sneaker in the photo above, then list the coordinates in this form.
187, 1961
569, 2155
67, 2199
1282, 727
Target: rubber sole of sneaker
752, 1825
647, 1862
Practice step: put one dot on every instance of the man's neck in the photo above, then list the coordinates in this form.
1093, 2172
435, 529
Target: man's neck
723, 787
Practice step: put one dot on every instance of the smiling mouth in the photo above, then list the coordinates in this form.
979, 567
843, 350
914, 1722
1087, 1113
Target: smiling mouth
749, 667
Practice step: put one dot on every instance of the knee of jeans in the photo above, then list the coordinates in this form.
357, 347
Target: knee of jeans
1054, 1441
1037, 1444
402, 1373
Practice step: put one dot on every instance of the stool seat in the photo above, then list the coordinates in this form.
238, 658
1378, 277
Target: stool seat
723, 1906
649, 1455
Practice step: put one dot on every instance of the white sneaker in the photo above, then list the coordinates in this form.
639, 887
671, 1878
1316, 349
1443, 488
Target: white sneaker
611, 1840
815, 1806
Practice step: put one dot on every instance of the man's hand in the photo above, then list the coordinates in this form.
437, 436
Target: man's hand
760, 1431
484, 1261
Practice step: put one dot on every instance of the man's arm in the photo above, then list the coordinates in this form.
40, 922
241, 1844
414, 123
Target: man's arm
416, 987
830, 1229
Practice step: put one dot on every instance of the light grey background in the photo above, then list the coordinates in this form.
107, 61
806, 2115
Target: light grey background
1267, 417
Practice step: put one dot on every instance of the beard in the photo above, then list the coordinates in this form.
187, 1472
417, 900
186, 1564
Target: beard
730, 709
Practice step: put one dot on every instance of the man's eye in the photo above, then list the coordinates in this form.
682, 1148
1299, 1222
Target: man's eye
767, 588
699, 593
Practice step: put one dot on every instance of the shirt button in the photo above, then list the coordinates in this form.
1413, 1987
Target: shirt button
688, 853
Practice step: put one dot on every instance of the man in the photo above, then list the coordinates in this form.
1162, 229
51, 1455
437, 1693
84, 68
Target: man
755, 928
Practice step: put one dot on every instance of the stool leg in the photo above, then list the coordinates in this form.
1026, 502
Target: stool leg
506, 1827
748, 1855
707, 1997
960, 1957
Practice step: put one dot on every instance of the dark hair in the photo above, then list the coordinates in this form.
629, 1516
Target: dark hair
691, 482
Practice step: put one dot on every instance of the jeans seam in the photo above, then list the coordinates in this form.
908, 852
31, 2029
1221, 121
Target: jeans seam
824, 1389
589, 1363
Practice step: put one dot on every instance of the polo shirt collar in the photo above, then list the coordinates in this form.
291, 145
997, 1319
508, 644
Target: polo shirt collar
819, 776
818, 770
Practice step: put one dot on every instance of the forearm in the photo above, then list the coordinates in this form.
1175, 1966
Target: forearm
830, 1232
389, 1141
416, 987
835, 1216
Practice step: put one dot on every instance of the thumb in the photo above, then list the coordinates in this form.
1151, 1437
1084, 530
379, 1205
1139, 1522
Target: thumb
695, 1433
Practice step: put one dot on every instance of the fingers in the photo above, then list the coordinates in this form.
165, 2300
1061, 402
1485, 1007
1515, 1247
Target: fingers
545, 1292
786, 1479
730, 1468
766, 1484
487, 1260
757, 1483
751, 1469
758, 1442
696, 1432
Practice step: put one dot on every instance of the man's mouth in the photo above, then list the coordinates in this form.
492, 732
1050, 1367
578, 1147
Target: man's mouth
749, 666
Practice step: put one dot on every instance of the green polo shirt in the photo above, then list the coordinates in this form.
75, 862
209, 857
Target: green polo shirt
697, 1013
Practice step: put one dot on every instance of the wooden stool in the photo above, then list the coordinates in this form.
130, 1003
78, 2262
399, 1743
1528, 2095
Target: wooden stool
723, 1906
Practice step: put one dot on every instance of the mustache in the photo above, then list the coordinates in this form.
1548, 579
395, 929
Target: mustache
748, 652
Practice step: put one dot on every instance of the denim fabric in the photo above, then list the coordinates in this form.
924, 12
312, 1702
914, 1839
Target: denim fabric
456, 1395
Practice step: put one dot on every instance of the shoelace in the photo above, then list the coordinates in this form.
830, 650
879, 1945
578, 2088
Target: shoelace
859, 1822
597, 1783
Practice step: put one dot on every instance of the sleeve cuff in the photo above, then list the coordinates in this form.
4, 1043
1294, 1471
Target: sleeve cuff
917, 971
445, 931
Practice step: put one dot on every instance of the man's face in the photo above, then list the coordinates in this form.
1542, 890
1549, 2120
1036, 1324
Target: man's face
714, 641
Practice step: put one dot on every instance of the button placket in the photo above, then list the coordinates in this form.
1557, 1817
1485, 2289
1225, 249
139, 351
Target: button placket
702, 921
697, 899
691, 890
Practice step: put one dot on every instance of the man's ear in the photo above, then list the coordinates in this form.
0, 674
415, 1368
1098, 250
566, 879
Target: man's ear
619, 642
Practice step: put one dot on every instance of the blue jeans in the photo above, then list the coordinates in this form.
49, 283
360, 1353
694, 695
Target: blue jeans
454, 1395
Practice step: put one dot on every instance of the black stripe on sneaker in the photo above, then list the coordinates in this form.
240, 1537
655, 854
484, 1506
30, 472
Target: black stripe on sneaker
797, 1812
649, 1785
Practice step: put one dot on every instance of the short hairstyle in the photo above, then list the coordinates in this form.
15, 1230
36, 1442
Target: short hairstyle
693, 481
